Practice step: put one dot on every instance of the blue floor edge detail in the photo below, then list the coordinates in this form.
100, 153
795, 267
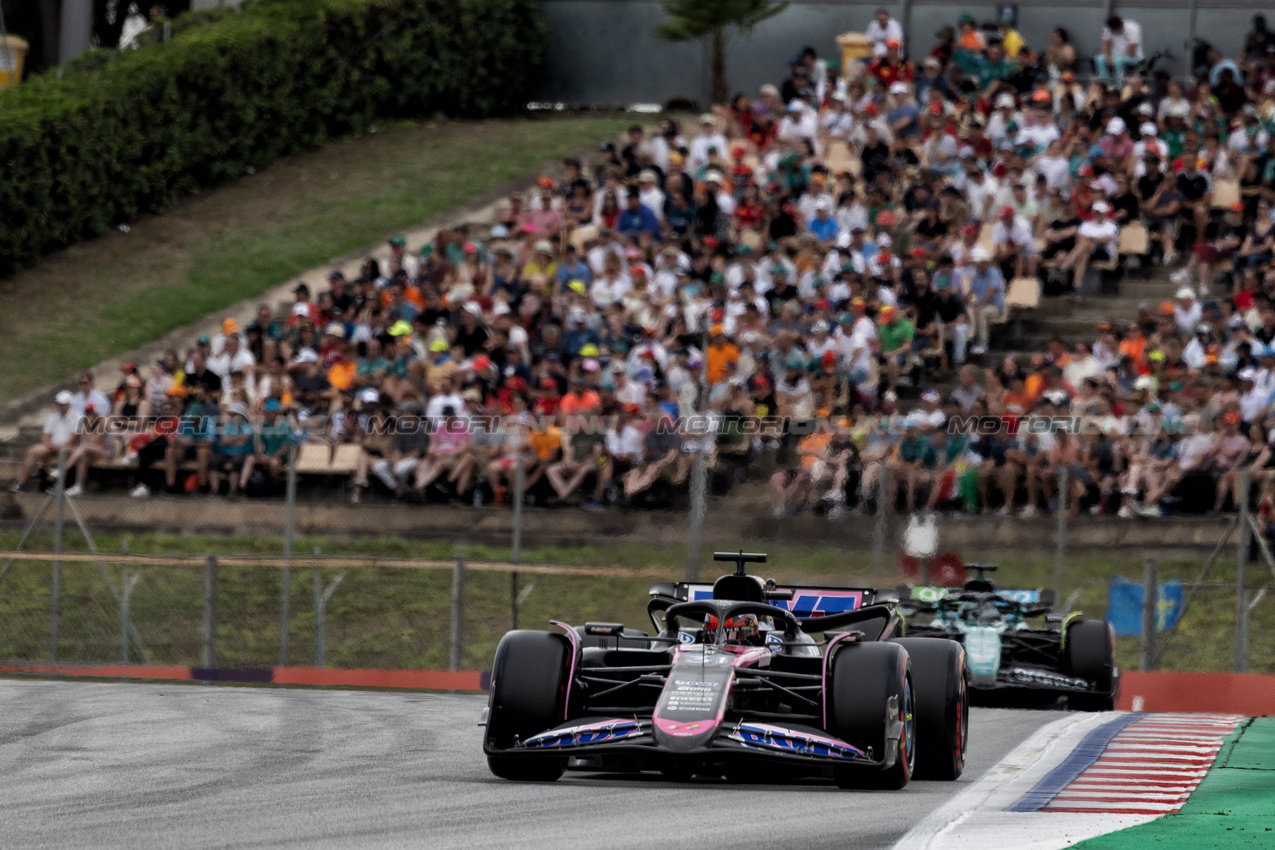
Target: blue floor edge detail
1081, 758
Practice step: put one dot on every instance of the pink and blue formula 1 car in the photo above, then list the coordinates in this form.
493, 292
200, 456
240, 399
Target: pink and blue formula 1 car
742, 679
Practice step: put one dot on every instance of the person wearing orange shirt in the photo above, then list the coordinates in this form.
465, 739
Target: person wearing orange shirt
1134, 345
720, 352
1035, 383
970, 37
545, 443
581, 399
1018, 402
341, 372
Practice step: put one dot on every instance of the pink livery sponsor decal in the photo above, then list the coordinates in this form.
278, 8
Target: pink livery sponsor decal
694, 699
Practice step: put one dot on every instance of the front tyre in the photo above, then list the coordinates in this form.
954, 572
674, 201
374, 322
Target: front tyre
942, 706
1090, 655
528, 692
864, 678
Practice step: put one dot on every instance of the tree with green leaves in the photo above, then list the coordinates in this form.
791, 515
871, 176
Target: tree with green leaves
717, 21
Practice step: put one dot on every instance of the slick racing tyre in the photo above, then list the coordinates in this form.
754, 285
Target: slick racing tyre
1088, 655
942, 706
528, 687
864, 679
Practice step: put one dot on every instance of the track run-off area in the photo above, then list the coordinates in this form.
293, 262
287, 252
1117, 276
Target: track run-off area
105, 764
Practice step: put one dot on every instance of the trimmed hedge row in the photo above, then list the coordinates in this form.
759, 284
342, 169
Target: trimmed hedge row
114, 140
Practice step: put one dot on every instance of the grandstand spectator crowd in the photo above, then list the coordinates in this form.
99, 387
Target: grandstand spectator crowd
775, 278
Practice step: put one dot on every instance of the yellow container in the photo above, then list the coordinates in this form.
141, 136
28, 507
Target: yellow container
13, 51
854, 47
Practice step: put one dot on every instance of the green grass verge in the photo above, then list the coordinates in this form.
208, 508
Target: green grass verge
110, 295
401, 618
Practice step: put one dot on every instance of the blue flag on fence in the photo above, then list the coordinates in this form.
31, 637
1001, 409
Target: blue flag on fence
1124, 606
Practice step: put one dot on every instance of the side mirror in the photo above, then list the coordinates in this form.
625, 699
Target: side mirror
1046, 598
664, 588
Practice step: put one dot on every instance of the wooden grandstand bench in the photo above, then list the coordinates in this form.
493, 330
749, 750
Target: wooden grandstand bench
752, 239
1225, 193
1134, 240
319, 458
839, 158
582, 234
1021, 297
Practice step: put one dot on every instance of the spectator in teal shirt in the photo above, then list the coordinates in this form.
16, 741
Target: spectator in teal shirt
274, 439
914, 461
232, 448
372, 367
193, 440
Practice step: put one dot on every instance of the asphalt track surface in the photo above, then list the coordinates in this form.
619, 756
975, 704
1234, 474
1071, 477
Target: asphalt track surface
139, 765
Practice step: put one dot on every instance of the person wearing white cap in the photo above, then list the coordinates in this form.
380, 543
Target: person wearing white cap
986, 301
1117, 146
799, 124
707, 143
1149, 142
1253, 396
904, 116
823, 226
649, 192
1005, 111
61, 431
1187, 311
1095, 241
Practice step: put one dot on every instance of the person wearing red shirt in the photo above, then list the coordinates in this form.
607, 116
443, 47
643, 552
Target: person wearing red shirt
890, 69
549, 397
751, 212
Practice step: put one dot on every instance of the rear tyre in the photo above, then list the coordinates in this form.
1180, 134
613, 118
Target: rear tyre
528, 691
942, 706
1089, 655
863, 679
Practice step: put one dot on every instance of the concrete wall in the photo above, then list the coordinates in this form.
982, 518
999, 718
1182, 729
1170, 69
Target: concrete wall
604, 52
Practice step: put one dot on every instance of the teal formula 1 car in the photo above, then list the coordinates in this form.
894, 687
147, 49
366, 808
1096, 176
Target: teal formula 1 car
1017, 650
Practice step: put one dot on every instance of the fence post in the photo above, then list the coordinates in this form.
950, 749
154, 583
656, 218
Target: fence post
1150, 596
55, 600
458, 611
125, 587
289, 519
1060, 550
1241, 583
210, 611
515, 546
878, 532
695, 529
318, 618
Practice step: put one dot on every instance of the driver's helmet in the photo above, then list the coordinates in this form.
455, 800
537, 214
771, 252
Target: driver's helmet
741, 628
